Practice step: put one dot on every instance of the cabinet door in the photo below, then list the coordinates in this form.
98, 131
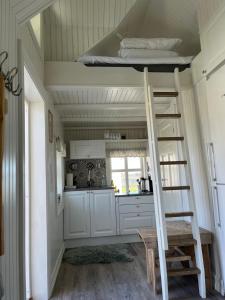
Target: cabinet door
97, 149
79, 149
76, 215
87, 149
103, 213
132, 222
216, 106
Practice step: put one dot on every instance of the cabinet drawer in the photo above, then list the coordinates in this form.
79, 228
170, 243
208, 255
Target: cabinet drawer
136, 208
132, 222
136, 200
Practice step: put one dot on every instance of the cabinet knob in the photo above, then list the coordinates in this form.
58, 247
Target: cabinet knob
204, 72
138, 215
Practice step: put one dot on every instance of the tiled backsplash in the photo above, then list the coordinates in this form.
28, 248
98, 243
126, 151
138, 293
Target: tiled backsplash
80, 167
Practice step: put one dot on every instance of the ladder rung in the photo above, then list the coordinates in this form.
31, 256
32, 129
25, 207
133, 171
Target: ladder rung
179, 214
176, 258
176, 188
173, 162
168, 116
170, 138
165, 94
173, 242
183, 272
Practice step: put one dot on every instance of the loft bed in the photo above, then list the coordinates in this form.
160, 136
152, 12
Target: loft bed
161, 65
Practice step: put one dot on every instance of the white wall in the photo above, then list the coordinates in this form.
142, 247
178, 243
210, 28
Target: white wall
207, 9
13, 12
197, 160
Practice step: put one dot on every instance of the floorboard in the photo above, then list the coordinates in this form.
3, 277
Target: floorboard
119, 281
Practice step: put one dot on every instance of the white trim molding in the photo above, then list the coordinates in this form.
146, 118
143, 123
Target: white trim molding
56, 270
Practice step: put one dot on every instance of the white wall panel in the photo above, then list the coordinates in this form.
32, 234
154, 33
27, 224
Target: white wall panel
207, 9
197, 161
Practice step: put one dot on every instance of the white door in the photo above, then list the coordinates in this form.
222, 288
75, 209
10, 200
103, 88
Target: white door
76, 215
103, 213
216, 107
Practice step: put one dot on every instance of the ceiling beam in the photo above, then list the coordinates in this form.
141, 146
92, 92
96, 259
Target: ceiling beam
63, 75
121, 119
99, 107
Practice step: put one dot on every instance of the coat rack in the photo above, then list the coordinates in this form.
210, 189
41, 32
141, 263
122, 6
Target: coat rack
10, 76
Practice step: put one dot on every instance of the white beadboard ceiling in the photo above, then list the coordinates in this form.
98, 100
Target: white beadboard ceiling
97, 105
71, 27
98, 95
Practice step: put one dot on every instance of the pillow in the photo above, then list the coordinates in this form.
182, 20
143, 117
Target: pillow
145, 53
152, 44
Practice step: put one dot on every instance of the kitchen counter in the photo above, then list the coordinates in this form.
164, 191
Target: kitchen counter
134, 194
93, 188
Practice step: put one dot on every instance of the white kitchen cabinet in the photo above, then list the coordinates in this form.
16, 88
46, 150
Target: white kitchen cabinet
213, 42
103, 213
87, 149
76, 215
216, 107
131, 222
135, 212
89, 214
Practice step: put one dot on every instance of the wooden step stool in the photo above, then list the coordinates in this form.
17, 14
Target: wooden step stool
179, 235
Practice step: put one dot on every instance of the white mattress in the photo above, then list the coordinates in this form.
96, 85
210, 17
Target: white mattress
86, 59
146, 53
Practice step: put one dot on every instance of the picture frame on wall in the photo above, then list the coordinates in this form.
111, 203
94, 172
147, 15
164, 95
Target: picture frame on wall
50, 126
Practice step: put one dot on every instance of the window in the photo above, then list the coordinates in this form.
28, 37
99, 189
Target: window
125, 172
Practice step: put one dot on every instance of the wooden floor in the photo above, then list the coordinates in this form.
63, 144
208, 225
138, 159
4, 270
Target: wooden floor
119, 281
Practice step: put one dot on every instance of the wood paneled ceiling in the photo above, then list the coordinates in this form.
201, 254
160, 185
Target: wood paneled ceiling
98, 105
71, 27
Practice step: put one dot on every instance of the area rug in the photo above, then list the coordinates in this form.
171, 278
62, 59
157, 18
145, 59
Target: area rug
99, 254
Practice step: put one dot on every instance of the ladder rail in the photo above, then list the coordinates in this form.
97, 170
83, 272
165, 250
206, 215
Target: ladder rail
153, 146
156, 176
191, 196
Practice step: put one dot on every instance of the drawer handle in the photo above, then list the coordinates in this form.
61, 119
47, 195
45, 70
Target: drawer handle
138, 215
137, 206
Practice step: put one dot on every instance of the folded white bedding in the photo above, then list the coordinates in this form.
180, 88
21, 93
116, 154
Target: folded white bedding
152, 44
88, 59
146, 53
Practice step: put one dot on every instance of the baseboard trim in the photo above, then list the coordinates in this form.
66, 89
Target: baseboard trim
132, 238
56, 270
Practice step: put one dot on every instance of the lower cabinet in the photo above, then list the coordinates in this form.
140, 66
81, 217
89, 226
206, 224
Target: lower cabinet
98, 214
77, 223
131, 222
89, 214
103, 213
135, 212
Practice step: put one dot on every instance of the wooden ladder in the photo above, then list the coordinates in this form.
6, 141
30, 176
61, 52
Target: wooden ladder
156, 164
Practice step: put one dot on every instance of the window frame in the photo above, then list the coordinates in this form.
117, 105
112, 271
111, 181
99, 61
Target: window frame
126, 170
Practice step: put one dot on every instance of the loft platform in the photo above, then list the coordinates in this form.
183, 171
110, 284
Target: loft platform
159, 65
